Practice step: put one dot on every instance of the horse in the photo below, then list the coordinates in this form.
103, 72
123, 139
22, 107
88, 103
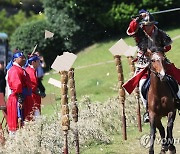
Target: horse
161, 103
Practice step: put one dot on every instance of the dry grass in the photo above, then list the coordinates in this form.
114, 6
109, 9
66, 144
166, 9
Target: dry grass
96, 122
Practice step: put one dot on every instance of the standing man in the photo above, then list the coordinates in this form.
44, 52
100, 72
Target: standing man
40, 75
31, 69
2, 78
20, 98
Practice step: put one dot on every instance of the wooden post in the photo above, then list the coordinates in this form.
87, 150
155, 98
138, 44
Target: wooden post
65, 109
4, 111
132, 68
121, 93
138, 109
74, 111
131, 64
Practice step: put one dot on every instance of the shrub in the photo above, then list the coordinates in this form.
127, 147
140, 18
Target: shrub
28, 35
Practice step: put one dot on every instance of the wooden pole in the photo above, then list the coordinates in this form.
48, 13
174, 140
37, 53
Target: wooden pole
74, 111
121, 93
131, 64
65, 109
132, 68
138, 109
4, 118
2, 138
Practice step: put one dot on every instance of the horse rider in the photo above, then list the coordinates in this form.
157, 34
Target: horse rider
149, 37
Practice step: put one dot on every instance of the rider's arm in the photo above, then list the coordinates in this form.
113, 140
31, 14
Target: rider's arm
133, 27
134, 24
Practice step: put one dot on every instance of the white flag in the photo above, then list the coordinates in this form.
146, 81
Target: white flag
48, 34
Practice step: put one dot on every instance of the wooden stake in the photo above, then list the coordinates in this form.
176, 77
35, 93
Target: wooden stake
132, 68
65, 148
74, 111
138, 109
121, 93
65, 109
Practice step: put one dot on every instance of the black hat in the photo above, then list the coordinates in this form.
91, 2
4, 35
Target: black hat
148, 20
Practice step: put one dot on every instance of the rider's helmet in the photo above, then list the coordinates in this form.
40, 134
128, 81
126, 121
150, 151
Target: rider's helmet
149, 19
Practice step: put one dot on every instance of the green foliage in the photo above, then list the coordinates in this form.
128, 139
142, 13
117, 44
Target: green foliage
12, 2
61, 17
120, 14
31, 6
82, 22
92, 18
28, 35
10, 23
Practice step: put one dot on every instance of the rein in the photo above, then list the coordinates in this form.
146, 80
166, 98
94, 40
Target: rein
150, 70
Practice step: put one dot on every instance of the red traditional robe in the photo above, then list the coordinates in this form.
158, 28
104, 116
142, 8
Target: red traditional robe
18, 80
34, 82
131, 84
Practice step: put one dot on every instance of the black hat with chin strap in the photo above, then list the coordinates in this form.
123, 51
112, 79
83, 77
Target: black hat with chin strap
148, 20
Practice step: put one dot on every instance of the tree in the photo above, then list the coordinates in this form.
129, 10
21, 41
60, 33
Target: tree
61, 17
10, 23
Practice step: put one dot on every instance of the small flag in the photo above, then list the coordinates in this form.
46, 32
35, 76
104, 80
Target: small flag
54, 82
131, 51
64, 62
48, 34
119, 48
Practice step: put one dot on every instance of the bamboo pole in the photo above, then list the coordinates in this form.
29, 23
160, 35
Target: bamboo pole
138, 111
121, 93
65, 109
74, 111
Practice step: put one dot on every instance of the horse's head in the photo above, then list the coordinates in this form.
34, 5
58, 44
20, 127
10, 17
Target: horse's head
157, 64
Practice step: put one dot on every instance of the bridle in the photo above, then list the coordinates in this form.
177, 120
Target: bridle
155, 57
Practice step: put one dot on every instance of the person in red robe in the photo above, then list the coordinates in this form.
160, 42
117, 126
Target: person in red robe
148, 37
20, 100
31, 69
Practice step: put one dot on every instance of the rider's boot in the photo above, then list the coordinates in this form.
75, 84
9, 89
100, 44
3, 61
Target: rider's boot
146, 114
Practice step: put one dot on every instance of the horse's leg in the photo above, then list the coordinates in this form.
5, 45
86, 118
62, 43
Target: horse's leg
161, 129
170, 140
152, 132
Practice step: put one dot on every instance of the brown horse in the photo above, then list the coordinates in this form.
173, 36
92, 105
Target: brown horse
161, 103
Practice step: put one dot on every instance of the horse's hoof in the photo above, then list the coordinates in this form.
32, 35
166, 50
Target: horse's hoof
172, 149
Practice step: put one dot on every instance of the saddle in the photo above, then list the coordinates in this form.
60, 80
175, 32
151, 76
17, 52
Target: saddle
171, 81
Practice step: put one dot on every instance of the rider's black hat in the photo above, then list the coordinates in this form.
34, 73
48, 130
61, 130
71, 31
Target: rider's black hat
148, 20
